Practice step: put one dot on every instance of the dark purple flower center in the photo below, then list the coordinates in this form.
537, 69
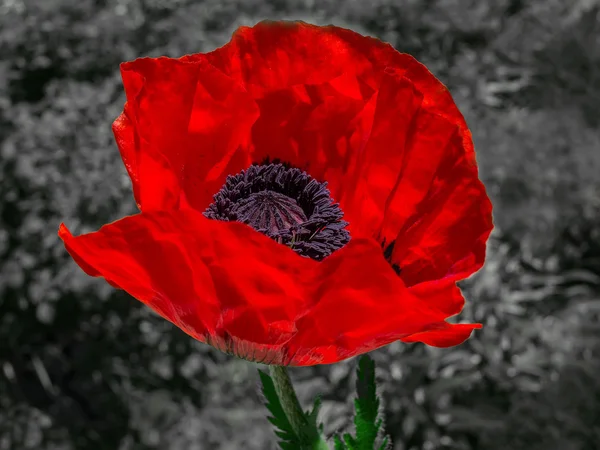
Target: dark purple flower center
271, 211
287, 205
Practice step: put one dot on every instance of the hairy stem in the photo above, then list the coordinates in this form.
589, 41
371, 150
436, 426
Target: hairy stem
291, 406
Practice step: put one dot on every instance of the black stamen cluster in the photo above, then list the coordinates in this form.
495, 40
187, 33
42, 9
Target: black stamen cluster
287, 205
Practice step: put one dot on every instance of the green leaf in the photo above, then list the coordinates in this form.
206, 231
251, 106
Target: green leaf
311, 416
386, 444
366, 419
338, 443
350, 442
284, 431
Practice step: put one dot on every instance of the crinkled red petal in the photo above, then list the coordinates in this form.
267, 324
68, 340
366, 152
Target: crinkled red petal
363, 305
227, 285
184, 128
274, 56
438, 211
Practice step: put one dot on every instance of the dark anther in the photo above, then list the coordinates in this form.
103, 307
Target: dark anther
287, 205
387, 254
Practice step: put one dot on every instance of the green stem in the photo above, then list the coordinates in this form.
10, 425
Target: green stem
291, 406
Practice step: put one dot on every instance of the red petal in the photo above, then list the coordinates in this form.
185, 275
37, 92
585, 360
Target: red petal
129, 258
125, 137
438, 211
159, 100
446, 234
184, 128
380, 164
316, 128
444, 295
360, 305
212, 279
437, 98
225, 284
277, 55
448, 337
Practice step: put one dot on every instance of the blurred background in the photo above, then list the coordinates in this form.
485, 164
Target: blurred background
83, 366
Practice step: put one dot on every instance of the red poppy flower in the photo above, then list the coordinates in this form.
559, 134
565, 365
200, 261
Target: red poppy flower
307, 194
